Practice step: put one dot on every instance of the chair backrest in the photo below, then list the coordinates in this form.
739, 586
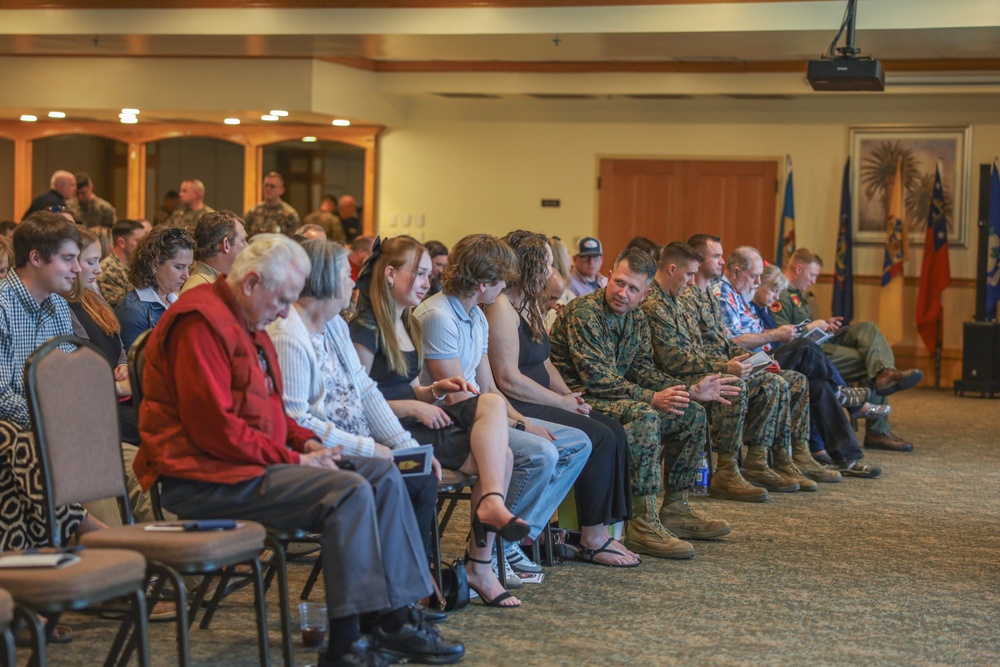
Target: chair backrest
136, 365
74, 410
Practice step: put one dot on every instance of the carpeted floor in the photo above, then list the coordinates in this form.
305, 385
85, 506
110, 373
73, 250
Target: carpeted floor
904, 570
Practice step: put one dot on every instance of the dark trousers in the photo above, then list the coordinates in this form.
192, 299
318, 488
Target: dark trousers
829, 417
423, 492
372, 554
603, 493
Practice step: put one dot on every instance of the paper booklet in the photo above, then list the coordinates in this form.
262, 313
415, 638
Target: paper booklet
759, 362
817, 335
413, 460
52, 560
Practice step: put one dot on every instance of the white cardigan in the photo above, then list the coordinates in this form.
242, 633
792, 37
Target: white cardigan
305, 391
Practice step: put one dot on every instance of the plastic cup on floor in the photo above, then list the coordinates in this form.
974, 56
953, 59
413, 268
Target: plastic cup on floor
313, 622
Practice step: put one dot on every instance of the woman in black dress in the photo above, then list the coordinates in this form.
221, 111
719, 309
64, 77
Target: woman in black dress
519, 355
469, 436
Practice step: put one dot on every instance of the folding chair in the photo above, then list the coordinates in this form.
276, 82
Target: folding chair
73, 404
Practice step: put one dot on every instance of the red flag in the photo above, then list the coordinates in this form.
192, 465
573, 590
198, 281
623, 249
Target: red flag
935, 274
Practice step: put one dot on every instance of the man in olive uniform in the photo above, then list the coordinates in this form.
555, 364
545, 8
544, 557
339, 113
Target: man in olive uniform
89, 209
113, 279
771, 400
273, 215
326, 217
859, 350
192, 206
678, 350
601, 346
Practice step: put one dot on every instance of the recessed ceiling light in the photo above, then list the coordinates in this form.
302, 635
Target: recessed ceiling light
269, 116
279, 113
341, 122
232, 121
57, 114
309, 140
28, 118
129, 120
130, 112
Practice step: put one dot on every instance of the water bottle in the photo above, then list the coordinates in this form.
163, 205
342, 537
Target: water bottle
700, 487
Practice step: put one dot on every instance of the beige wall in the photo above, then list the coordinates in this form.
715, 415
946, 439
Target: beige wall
464, 176
7, 180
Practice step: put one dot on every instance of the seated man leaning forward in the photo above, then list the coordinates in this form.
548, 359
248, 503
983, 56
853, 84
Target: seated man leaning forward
216, 436
601, 346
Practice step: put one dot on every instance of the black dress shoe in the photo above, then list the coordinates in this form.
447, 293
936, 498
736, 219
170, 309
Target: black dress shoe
417, 641
361, 654
430, 615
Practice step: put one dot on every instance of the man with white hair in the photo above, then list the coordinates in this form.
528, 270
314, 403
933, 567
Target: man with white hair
192, 206
62, 186
216, 436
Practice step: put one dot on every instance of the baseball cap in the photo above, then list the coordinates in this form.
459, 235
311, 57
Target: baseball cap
589, 246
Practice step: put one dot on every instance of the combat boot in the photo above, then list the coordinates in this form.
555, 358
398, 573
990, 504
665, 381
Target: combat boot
812, 469
646, 535
728, 484
684, 521
784, 466
758, 472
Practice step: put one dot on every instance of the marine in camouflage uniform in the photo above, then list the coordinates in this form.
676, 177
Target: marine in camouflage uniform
186, 218
278, 219
330, 223
608, 358
113, 280
95, 213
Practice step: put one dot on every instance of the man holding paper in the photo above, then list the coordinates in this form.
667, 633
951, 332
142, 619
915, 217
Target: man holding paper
801, 358
678, 349
859, 350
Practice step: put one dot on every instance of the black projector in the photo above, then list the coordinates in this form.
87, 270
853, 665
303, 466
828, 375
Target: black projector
846, 74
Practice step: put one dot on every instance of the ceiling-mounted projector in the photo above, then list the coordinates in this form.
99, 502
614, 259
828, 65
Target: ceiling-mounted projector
847, 71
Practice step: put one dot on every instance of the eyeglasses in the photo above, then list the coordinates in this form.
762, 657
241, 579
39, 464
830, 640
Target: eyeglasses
58, 208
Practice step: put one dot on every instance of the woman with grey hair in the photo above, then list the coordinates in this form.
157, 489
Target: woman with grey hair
327, 390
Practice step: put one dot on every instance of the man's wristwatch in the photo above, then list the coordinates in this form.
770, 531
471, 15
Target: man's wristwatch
520, 425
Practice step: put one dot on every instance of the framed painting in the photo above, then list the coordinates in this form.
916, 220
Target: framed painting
875, 152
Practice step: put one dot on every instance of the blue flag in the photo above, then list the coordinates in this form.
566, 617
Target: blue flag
843, 276
786, 232
993, 247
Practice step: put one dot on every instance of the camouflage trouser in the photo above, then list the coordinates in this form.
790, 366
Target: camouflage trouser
766, 420
653, 436
727, 420
798, 390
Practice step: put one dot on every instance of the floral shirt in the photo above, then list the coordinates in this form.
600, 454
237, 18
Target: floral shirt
342, 401
739, 316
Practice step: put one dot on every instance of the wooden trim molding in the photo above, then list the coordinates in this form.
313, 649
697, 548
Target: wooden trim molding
343, 4
252, 137
912, 281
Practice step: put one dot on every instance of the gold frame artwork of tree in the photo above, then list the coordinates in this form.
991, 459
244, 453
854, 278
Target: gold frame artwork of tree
877, 151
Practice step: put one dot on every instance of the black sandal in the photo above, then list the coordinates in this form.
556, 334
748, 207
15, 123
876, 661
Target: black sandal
495, 602
512, 531
590, 555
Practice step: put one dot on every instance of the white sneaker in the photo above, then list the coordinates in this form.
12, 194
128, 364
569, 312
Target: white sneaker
510, 579
520, 561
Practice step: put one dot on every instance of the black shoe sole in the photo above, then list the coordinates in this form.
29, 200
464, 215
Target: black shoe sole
889, 448
902, 385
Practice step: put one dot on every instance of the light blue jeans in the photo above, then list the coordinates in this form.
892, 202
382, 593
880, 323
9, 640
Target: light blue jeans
544, 471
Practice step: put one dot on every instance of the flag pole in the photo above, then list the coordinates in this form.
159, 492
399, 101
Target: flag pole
937, 357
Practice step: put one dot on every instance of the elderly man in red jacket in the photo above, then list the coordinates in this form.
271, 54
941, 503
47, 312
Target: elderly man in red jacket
216, 436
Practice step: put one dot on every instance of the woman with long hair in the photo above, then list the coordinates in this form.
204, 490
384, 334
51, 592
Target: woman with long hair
157, 271
469, 436
519, 355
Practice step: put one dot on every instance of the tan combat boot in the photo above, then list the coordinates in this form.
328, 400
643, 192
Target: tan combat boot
758, 472
810, 467
784, 466
728, 484
684, 521
646, 535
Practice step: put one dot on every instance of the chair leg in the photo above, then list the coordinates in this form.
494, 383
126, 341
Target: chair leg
7, 647
436, 542
37, 632
279, 567
260, 599
313, 578
141, 630
213, 604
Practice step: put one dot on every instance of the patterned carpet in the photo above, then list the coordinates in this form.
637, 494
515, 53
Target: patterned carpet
904, 570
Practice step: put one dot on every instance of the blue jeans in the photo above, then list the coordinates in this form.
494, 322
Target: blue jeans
544, 471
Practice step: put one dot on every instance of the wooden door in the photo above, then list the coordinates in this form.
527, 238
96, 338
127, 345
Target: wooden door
669, 200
